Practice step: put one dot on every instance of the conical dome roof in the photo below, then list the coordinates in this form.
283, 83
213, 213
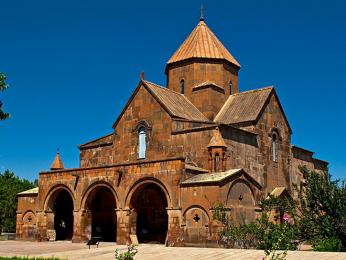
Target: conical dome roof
57, 163
202, 43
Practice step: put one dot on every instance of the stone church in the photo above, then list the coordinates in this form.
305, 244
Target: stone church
173, 152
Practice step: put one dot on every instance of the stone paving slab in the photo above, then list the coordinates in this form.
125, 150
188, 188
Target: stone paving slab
77, 251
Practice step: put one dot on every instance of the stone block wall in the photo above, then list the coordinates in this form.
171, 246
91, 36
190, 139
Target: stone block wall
26, 218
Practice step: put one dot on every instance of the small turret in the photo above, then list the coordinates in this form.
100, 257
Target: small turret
217, 148
57, 163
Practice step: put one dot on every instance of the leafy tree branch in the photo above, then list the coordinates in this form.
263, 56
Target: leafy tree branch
3, 86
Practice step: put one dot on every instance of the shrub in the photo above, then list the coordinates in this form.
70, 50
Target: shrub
330, 244
244, 236
260, 234
128, 255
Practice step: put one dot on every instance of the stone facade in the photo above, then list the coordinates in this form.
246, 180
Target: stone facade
210, 144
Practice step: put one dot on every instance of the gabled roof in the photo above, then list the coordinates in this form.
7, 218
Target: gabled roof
247, 106
243, 106
217, 140
219, 177
202, 43
211, 177
208, 84
101, 141
195, 168
278, 191
32, 191
303, 150
176, 104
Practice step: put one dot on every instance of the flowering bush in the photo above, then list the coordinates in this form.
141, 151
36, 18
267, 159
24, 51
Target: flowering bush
271, 252
128, 255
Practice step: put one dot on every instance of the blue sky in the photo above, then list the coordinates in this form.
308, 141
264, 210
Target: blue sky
72, 65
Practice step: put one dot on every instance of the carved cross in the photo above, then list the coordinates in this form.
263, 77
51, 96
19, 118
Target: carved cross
196, 218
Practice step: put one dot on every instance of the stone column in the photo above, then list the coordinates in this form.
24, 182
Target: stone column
175, 231
19, 225
81, 225
123, 226
45, 221
77, 224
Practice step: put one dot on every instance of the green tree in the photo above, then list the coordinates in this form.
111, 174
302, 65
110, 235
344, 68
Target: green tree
3, 86
323, 207
10, 186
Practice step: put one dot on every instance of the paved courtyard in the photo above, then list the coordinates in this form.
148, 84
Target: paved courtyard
68, 250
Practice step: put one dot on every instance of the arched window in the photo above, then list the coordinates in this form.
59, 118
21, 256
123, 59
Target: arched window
142, 142
230, 87
182, 87
274, 146
217, 163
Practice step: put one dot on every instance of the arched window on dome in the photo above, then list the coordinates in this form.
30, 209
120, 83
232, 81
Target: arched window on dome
142, 142
230, 87
274, 146
217, 163
182, 87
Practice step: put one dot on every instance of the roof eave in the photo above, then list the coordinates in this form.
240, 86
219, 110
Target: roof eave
92, 141
273, 92
127, 104
200, 59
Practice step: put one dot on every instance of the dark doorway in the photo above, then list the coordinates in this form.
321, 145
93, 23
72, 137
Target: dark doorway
63, 216
150, 204
102, 206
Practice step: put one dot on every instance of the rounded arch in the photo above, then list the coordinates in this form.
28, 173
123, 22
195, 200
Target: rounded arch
146, 181
142, 123
29, 217
94, 186
28, 211
148, 205
230, 85
182, 86
59, 205
99, 202
275, 131
196, 206
241, 200
196, 223
241, 190
53, 193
